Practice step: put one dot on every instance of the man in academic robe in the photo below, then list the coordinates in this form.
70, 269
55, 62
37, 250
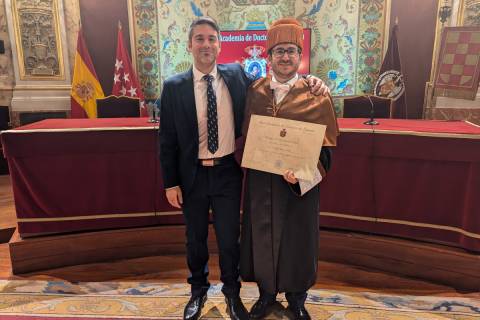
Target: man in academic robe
279, 243
201, 116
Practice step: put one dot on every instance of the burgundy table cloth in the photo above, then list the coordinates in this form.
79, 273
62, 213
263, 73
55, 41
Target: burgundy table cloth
86, 174
415, 179
409, 178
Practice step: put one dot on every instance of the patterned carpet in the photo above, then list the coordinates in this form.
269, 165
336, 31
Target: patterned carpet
41, 300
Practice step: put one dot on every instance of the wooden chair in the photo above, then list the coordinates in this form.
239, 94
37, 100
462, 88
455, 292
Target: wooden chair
118, 107
360, 107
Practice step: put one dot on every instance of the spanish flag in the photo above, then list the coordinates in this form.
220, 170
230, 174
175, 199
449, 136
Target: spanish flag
85, 86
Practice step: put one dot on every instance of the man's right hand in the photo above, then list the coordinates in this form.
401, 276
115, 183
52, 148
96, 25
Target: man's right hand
174, 197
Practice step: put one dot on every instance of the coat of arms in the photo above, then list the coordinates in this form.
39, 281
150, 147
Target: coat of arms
390, 85
255, 65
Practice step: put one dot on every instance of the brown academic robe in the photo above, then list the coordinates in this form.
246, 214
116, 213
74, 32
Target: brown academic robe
279, 244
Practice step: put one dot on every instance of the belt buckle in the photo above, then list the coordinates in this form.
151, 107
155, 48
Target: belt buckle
208, 162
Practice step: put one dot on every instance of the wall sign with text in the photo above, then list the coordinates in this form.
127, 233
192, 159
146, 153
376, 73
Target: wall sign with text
248, 47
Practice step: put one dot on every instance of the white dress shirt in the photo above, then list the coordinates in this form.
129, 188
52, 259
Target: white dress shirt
226, 125
280, 90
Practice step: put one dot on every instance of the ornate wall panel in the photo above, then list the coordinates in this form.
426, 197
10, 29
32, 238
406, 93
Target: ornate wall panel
347, 36
40, 62
372, 20
37, 33
7, 77
146, 30
469, 13
464, 13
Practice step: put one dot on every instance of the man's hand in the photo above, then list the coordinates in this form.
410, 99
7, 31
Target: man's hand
174, 197
317, 86
289, 176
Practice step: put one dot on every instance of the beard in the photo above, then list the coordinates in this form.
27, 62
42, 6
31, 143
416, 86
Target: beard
285, 70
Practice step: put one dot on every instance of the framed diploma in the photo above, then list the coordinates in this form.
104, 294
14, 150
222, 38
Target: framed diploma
275, 145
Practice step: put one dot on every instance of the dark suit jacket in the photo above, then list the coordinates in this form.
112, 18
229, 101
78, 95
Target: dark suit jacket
179, 126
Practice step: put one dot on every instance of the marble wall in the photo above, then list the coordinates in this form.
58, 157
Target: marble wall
72, 25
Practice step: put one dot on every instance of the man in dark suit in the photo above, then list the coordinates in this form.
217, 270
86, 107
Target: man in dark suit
201, 116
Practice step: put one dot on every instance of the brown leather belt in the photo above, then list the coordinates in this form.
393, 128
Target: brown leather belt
215, 161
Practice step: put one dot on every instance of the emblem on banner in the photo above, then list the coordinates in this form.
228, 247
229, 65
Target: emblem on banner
255, 65
84, 90
390, 85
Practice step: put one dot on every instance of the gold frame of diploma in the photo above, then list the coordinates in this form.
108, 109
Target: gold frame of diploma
275, 145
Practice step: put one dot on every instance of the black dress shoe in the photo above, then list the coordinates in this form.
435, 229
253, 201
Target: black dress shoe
193, 309
236, 309
299, 312
260, 308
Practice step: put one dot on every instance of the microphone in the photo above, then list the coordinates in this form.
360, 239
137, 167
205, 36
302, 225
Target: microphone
371, 121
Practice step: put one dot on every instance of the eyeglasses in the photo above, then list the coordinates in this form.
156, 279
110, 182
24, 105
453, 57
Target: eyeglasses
279, 52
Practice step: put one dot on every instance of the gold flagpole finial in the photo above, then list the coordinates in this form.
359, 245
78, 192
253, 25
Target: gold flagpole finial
119, 25
396, 21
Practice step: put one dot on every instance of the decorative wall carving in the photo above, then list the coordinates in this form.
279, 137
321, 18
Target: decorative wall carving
38, 38
7, 77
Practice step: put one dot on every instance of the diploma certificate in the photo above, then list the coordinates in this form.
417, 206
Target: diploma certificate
275, 145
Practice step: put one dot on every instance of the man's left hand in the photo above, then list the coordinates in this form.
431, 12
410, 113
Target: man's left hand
289, 176
317, 86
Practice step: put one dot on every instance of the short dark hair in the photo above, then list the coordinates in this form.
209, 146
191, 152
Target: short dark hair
203, 20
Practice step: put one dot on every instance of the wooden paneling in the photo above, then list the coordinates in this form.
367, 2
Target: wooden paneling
6, 234
436, 263
8, 218
439, 264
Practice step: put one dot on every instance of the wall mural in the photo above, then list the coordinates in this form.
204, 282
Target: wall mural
146, 19
347, 36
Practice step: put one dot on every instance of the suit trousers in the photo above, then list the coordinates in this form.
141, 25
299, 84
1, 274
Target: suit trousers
217, 188
294, 298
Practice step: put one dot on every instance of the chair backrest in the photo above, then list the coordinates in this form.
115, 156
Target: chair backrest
359, 107
118, 107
